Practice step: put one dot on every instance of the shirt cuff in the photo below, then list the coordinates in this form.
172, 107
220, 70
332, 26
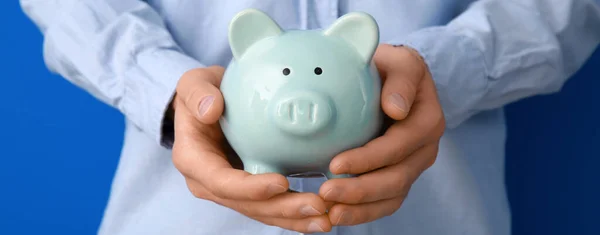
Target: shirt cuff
146, 101
457, 67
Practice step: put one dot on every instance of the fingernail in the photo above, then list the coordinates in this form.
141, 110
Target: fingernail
309, 211
332, 195
399, 102
314, 227
205, 104
276, 189
345, 218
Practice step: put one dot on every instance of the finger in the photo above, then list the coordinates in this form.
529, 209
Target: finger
306, 224
382, 184
222, 180
199, 157
403, 72
199, 91
315, 224
383, 151
286, 205
423, 125
348, 215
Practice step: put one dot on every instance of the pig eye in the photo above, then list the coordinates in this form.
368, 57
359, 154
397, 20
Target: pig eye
318, 71
286, 71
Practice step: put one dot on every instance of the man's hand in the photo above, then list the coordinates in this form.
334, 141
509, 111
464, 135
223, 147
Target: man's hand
200, 153
390, 164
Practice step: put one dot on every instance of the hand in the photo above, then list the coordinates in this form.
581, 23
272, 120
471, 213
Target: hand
388, 165
201, 153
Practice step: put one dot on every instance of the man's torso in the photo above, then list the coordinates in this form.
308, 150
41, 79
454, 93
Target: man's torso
463, 193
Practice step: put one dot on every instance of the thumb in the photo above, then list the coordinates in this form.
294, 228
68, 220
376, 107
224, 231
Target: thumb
402, 72
198, 90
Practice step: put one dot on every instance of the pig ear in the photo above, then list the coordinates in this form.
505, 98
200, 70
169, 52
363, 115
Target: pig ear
358, 29
248, 27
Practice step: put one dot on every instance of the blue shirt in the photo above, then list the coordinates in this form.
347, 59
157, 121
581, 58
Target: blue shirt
482, 55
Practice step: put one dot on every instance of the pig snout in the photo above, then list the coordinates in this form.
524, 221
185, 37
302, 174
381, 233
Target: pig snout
303, 112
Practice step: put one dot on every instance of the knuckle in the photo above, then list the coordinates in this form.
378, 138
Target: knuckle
191, 172
439, 120
182, 164
434, 156
398, 189
401, 180
397, 203
437, 117
432, 161
177, 159
196, 192
441, 126
435, 124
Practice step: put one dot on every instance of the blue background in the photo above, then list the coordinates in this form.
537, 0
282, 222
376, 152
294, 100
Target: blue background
60, 147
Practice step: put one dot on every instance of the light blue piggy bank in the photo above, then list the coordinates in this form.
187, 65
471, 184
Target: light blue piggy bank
295, 99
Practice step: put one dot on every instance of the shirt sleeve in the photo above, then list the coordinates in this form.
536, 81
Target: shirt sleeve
499, 51
117, 50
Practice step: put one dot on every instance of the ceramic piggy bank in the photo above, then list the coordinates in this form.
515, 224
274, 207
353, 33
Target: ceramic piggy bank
295, 99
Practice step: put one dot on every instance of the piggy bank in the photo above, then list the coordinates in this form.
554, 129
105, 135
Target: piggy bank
295, 99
